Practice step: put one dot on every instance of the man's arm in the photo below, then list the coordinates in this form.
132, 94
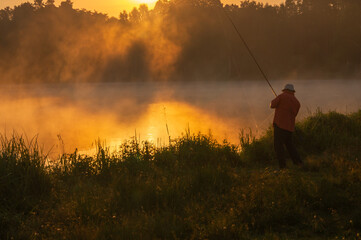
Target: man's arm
275, 102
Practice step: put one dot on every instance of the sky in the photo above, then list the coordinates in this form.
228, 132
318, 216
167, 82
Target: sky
114, 7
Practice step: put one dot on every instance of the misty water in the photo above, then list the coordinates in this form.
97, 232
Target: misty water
69, 116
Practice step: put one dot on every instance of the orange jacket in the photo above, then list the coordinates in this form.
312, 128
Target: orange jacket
287, 107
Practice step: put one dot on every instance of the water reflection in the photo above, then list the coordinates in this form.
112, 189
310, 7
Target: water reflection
70, 116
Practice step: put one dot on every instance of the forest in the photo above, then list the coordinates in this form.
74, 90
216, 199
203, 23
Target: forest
180, 40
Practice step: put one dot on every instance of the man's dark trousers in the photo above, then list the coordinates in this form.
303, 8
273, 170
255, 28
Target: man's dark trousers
284, 138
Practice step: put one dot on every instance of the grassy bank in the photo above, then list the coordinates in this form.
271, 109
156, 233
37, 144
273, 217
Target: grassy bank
196, 188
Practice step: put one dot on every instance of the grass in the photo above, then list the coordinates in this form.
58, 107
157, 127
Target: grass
195, 188
24, 182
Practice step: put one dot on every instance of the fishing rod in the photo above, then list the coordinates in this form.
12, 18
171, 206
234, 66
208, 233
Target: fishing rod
249, 50
247, 47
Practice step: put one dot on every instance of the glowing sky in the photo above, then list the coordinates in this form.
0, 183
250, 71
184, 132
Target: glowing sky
114, 7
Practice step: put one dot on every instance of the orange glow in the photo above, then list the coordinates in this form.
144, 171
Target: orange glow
76, 116
179, 117
114, 7
63, 126
262, 1
150, 3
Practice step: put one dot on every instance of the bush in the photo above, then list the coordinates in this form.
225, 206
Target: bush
331, 131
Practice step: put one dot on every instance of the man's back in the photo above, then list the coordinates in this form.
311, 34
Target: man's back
287, 107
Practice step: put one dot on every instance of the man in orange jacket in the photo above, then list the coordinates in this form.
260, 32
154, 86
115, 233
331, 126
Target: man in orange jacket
286, 109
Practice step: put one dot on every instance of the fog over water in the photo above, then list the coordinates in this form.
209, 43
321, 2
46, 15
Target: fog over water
69, 116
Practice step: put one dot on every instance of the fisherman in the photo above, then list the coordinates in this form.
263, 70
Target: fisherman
286, 108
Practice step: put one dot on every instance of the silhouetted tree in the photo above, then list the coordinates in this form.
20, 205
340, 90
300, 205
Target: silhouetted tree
50, 3
124, 17
134, 16
188, 39
39, 3
143, 12
67, 4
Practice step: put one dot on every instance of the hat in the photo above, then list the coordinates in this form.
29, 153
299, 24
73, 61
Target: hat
289, 87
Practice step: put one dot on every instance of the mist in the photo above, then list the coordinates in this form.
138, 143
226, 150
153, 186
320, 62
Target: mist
71, 76
180, 40
66, 117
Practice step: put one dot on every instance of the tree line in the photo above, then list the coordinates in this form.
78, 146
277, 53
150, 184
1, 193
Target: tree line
180, 40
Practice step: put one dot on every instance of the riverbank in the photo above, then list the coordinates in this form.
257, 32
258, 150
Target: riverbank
195, 188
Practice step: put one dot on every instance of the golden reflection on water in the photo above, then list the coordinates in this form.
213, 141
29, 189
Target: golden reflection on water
75, 116
178, 117
63, 127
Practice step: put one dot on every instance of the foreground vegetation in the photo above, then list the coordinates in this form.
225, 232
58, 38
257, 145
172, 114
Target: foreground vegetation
195, 188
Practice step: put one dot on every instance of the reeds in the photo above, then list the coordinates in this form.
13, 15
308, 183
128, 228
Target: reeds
24, 181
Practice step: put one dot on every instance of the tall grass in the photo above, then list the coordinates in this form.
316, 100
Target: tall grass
322, 132
24, 181
194, 188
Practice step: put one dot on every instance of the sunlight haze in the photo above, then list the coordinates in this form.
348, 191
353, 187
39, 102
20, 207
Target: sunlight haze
114, 7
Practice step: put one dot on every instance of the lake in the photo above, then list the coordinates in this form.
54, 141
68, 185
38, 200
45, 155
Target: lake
69, 116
